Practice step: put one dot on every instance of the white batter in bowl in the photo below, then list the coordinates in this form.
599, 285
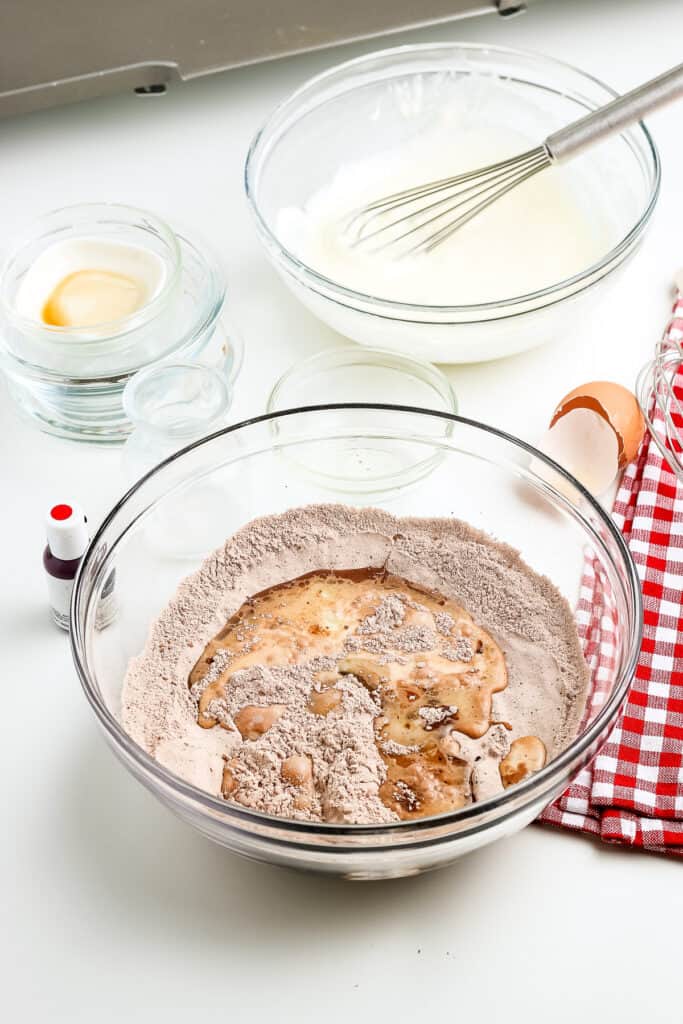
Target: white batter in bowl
522, 273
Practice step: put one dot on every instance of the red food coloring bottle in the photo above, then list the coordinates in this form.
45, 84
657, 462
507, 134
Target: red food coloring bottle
67, 540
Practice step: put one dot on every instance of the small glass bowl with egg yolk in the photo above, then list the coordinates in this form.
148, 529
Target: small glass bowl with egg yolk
90, 295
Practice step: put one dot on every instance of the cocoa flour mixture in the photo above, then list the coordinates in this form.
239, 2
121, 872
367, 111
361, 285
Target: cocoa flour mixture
344, 665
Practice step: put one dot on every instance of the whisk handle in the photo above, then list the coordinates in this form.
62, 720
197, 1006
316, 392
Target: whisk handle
622, 111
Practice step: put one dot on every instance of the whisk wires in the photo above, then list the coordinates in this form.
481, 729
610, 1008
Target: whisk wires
412, 221
657, 393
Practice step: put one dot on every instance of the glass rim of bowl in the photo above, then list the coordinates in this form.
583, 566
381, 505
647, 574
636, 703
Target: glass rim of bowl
535, 786
529, 301
384, 358
120, 328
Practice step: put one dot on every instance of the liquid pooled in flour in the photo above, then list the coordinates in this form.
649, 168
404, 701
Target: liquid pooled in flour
430, 669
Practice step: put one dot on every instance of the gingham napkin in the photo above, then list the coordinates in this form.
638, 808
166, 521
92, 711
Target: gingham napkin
632, 792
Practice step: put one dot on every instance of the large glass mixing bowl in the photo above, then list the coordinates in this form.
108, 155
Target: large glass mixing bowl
412, 462
363, 107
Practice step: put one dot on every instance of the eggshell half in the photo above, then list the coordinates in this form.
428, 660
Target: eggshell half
586, 445
617, 405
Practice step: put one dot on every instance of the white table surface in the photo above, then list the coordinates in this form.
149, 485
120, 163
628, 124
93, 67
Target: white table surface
112, 909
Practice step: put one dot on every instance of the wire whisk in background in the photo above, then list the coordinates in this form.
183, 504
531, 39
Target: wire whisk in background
417, 220
660, 390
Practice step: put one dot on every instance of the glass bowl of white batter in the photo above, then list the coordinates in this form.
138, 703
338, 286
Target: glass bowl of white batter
483, 476
522, 272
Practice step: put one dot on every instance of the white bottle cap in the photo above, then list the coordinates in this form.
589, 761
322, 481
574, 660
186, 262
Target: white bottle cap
67, 532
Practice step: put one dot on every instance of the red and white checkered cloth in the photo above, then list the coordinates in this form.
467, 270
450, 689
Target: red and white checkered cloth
632, 791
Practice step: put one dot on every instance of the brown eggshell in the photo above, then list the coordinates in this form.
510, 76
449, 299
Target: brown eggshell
617, 405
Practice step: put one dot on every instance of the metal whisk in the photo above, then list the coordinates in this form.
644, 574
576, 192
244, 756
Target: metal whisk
421, 218
660, 394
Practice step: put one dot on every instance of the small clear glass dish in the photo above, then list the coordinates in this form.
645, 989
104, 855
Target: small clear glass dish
71, 380
363, 107
172, 405
353, 373
485, 477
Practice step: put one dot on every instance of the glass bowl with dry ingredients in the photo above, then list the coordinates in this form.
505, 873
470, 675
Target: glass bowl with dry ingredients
366, 685
516, 276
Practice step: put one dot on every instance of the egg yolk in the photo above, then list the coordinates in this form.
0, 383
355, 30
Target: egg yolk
89, 297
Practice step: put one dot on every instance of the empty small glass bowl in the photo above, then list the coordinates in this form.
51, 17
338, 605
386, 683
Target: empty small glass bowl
352, 373
364, 106
171, 405
484, 476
